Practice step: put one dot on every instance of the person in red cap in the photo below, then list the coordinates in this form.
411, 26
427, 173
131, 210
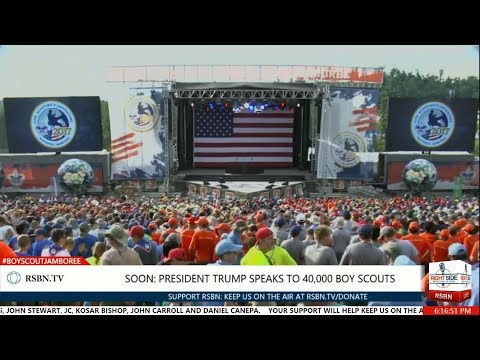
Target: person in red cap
265, 252
187, 235
144, 248
175, 257
202, 247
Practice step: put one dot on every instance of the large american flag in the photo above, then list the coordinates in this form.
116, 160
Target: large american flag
227, 139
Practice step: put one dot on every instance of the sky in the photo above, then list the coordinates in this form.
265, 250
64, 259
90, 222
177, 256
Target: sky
42, 71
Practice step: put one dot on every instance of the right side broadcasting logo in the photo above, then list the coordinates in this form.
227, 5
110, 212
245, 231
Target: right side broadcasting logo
450, 281
432, 124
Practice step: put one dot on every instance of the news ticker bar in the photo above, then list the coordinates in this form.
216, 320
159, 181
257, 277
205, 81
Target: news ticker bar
143, 279
238, 310
344, 297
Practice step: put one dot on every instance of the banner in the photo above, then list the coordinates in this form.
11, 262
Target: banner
422, 125
139, 128
239, 310
38, 177
447, 172
347, 132
21, 281
58, 124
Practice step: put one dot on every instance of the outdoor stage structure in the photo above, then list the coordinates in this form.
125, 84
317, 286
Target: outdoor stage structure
242, 129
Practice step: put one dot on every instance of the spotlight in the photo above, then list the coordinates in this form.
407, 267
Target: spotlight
192, 104
298, 104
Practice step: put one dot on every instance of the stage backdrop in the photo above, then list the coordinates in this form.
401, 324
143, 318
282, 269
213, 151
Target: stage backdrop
347, 131
139, 128
422, 124
59, 124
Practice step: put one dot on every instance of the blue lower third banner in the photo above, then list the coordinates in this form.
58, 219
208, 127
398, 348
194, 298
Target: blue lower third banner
344, 297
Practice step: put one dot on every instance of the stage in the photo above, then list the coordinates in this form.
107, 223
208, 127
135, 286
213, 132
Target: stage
249, 189
290, 174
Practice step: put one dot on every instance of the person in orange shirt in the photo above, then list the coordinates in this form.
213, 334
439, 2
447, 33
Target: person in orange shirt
440, 247
222, 230
461, 234
423, 246
397, 225
474, 254
204, 240
259, 220
429, 233
172, 227
5, 250
454, 235
470, 239
187, 235
155, 234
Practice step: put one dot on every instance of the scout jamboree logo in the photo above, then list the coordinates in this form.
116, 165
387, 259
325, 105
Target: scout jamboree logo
345, 149
432, 124
53, 124
142, 113
450, 281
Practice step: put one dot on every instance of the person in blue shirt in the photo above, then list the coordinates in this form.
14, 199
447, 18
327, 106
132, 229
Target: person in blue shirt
41, 242
22, 228
236, 235
23, 244
227, 253
84, 243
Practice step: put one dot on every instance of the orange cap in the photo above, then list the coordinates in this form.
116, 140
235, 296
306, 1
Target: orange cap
445, 233
413, 226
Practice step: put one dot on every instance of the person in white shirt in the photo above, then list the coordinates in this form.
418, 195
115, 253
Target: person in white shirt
56, 249
4, 228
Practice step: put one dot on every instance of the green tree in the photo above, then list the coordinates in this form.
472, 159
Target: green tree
105, 116
3, 130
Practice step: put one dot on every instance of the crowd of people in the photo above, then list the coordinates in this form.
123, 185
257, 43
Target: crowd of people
259, 231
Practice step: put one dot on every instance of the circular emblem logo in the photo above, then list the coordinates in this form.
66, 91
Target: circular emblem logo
345, 148
142, 113
432, 124
53, 124
13, 277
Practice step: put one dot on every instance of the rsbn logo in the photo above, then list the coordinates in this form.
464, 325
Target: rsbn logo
14, 277
450, 281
